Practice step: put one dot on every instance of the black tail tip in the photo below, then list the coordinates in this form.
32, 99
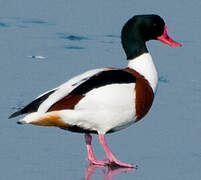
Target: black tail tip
15, 114
11, 116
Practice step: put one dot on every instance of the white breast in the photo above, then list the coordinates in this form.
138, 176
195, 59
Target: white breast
145, 66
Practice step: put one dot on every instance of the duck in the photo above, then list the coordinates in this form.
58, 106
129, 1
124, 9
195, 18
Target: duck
105, 100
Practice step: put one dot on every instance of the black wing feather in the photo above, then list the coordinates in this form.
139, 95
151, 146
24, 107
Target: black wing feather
104, 78
33, 106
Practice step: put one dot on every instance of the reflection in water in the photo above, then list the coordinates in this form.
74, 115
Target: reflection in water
108, 171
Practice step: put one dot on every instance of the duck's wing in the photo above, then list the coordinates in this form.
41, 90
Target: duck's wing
99, 80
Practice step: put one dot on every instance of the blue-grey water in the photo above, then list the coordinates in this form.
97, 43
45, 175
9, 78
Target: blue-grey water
44, 43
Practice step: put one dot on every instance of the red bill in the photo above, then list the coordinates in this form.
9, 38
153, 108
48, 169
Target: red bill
167, 40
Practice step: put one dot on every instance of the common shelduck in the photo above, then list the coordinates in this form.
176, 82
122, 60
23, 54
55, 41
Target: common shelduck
105, 100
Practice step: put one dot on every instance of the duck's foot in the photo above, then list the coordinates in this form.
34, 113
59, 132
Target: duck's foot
97, 162
117, 163
110, 159
113, 161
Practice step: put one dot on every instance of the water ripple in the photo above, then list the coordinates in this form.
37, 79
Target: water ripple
72, 37
34, 21
74, 47
163, 79
112, 36
2, 24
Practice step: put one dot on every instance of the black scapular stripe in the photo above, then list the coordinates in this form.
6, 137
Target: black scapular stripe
104, 78
33, 106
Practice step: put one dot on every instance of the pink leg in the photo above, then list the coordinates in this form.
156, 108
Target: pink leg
90, 154
112, 159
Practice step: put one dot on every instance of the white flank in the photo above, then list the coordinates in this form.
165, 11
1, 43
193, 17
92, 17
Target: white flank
145, 66
105, 108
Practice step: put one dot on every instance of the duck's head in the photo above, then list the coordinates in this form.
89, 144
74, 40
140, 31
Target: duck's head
142, 28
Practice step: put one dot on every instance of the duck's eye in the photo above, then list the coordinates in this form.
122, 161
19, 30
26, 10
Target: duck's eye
154, 24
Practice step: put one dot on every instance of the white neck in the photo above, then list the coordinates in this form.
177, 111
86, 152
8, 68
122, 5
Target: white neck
144, 65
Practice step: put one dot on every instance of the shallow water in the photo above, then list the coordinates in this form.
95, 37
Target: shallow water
75, 36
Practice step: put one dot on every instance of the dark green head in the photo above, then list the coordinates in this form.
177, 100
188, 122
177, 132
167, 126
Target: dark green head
142, 28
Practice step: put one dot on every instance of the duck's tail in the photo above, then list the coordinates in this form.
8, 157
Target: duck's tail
44, 119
